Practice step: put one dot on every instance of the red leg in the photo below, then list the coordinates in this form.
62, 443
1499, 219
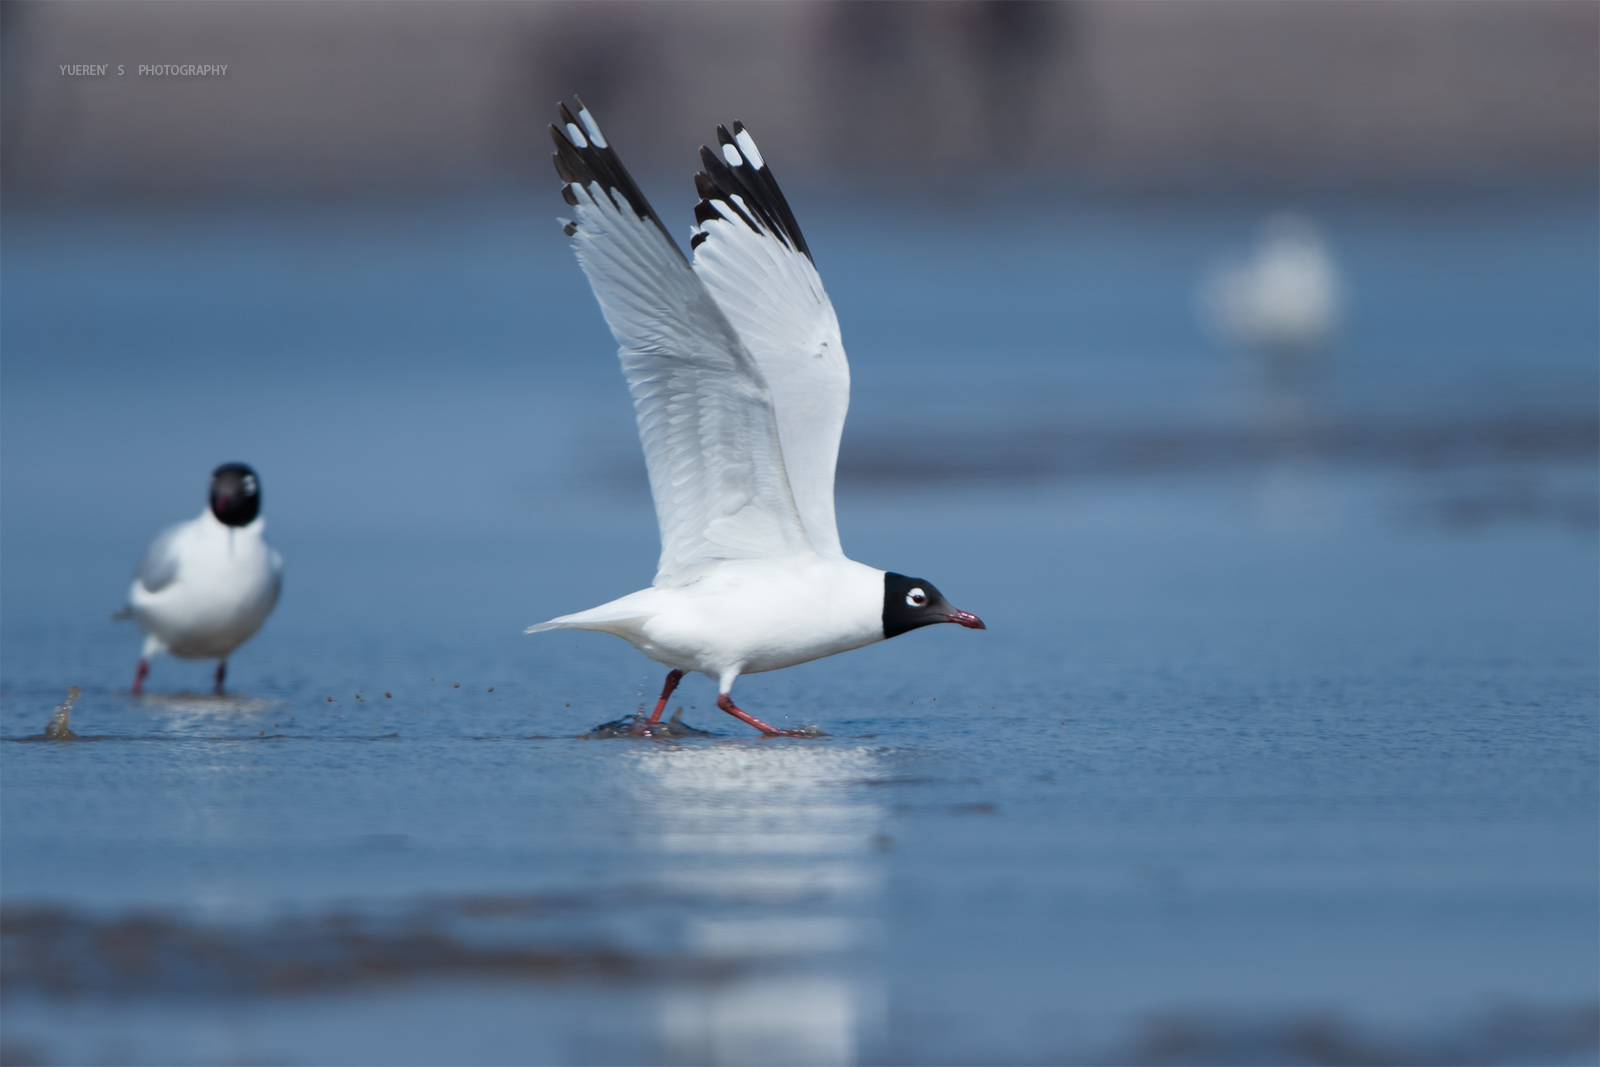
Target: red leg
222, 672
725, 702
139, 676
673, 678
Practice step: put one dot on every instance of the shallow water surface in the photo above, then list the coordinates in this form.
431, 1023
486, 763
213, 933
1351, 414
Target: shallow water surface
1280, 745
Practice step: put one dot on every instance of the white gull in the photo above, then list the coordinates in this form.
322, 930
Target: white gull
206, 585
740, 386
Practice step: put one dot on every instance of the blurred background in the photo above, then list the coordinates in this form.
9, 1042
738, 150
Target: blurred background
327, 99
1244, 356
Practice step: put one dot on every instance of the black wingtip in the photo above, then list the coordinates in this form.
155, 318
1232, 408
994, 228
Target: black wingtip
563, 170
755, 186
593, 163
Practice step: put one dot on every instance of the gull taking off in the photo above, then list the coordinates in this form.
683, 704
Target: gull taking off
740, 385
204, 586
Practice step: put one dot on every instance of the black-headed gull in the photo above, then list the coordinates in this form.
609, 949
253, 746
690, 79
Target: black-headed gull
1283, 301
740, 385
206, 585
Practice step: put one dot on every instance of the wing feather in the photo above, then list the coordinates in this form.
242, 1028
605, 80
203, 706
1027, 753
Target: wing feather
158, 567
750, 253
704, 410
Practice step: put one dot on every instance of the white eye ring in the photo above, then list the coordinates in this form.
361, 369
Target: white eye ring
916, 598
248, 484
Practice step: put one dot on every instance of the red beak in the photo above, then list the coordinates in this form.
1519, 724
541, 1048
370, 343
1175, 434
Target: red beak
967, 619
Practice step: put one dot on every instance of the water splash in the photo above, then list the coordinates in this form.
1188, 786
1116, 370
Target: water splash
59, 727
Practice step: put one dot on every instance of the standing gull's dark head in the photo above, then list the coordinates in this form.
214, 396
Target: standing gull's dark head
235, 494
912, 602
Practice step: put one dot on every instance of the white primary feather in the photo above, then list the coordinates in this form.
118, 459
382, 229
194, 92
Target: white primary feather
704, 410
773, 296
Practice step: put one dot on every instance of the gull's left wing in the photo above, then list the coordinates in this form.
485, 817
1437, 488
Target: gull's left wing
749, 252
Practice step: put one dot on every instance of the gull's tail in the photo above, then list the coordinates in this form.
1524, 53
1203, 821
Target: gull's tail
614, 618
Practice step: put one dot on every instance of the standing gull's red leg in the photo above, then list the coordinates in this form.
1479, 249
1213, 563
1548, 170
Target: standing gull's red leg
139, 676
222, 672
725, 702
642, 725
673, 678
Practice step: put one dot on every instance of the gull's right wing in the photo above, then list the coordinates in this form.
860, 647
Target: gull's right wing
158, 567
704, 410
749, 252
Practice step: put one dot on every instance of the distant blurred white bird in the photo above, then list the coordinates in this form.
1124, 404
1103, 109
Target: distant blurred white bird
1283, 301
206, 585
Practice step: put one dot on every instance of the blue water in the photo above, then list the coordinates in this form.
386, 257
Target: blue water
1281, 745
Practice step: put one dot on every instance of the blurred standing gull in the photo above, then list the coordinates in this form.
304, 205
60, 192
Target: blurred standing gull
740, 386
1282, 302
206, 585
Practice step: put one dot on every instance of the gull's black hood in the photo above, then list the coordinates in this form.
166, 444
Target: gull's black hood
912, 602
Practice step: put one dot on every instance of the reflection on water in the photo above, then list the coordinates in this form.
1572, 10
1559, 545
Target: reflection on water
777, 840
1287, 409
186, 708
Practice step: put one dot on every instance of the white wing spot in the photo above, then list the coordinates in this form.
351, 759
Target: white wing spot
577, 136
592, 126
731, 154
752, 153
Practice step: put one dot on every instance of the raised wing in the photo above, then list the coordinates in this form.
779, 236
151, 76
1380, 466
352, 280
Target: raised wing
158, 568
749, 252
704, 410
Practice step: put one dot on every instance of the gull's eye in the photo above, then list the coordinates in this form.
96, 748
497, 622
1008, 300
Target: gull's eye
248, 484
916, 598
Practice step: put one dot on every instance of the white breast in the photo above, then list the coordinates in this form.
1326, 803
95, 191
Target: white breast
226, 585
